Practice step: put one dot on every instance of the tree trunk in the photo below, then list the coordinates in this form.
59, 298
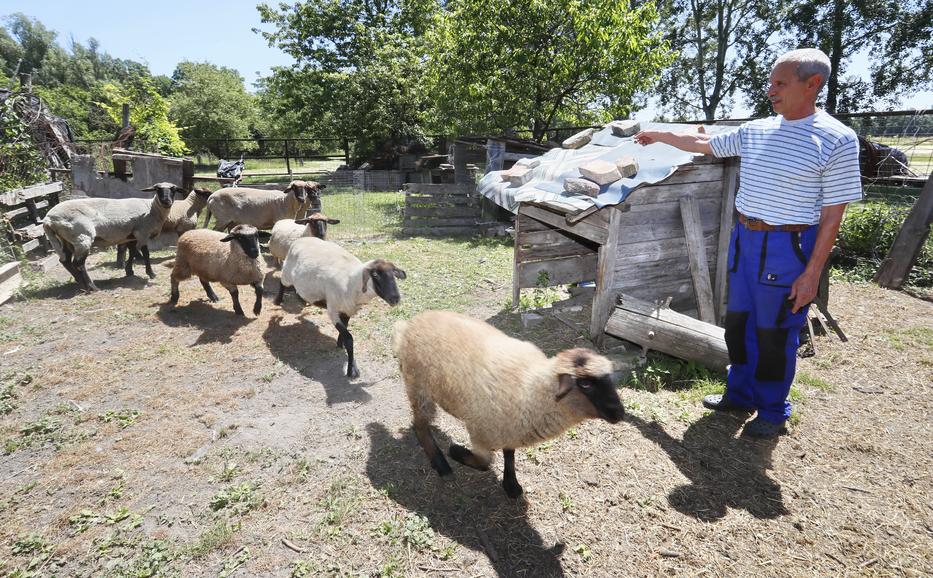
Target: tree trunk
835, 56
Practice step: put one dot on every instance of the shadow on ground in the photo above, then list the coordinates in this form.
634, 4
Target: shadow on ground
217, 321
724, 471
315, 356
469, 507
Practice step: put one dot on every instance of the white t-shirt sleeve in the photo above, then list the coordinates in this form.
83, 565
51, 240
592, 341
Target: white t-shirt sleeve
727, 144
841, 180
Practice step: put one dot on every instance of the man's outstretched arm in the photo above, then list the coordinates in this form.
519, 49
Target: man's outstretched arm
692, 142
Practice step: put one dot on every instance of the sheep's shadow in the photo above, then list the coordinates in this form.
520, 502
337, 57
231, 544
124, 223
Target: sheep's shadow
69, 288
314, 355
217, 323
470, 507
724, 471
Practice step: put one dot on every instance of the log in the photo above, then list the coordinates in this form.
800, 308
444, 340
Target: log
669, 332
10, 279
696, 251
909, 241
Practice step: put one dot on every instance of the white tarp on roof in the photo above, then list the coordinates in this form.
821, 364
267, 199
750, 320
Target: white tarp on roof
656, 162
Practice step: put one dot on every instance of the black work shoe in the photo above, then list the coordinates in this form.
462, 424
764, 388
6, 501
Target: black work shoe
720, 402
760, 428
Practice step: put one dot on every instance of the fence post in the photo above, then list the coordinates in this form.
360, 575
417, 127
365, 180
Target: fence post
288, 164
909, 242
126, 114
495, 155
346, 152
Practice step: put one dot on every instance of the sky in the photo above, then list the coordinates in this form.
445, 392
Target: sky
162, 34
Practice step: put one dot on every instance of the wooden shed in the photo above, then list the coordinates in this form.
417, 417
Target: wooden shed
666, 241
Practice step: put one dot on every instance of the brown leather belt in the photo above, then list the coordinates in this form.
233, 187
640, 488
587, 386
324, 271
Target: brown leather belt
753, 224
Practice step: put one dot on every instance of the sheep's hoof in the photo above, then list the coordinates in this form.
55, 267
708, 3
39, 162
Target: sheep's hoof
257, 309
353, 372
441, 466
512, 488
150, 274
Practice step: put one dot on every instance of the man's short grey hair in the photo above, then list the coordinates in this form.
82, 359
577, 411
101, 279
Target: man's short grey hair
809, 61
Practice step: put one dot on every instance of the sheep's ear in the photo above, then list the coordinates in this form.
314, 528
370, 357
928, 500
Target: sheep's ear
565, 383
227, 239
333, 221
263, 235
399, 274
367, 272
303, 221
148, 189
321, 186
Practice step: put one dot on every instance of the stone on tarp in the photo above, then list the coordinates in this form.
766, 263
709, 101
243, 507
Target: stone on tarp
627, 166
600, 172
624, 128
578, 140
581, 187
530, 162
518, 175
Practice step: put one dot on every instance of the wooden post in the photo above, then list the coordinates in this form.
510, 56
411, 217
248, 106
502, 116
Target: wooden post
729, 178
495, 155
605, 271
460, 165
288, 164
516, 285
696, 251
346, 152
661, 329
909, 241
126, 115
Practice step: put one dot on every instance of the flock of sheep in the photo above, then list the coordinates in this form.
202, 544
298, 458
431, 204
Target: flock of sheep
507, 392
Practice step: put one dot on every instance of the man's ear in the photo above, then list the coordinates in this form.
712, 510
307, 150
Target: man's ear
565, 383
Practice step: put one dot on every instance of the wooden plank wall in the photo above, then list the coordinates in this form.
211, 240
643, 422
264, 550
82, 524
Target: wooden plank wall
651, 258
440, 209
23, 210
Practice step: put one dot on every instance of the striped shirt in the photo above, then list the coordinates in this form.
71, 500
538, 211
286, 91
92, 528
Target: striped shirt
791, 169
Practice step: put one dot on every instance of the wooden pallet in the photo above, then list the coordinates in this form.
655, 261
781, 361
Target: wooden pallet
23, 210
441, 209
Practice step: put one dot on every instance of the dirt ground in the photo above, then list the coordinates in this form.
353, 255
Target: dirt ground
143, 440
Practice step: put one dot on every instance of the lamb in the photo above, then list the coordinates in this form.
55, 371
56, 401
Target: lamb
211, 256
326, 275
260, 208
73, 226
506, 392
285, 231
181, 218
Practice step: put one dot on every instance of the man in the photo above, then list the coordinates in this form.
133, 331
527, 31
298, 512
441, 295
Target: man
799, 170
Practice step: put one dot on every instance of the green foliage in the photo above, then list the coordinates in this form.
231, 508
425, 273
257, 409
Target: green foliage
123, 417
866, 235
663, 372
148, 113
20, 162
210, 102
77, 105
239, 499
568, 61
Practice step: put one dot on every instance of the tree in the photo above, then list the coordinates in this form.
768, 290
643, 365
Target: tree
358, 69
210, 102
33, 42
511, 64
896, 32
723, 48
148, 113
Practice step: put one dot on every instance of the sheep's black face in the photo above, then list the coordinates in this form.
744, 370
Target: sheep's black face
383, 275
247, 238
164, 193
603, 395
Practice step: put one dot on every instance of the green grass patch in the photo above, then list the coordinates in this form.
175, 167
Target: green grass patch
805, 378
237, 499
338, 502
122, 417
690, 378
912, 338
217, 536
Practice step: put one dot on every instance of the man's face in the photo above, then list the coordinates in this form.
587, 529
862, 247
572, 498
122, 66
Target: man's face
789, 95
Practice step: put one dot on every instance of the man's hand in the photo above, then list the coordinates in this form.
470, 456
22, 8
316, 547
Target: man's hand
647, 137
803, 291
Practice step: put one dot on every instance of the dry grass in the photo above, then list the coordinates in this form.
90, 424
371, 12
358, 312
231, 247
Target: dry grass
236, 446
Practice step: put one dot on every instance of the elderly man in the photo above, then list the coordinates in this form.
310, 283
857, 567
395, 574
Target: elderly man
799, 170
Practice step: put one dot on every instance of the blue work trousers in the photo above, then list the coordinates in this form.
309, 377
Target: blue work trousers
762, 334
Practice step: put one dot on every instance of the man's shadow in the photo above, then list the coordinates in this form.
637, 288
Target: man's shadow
724, 471
469, 507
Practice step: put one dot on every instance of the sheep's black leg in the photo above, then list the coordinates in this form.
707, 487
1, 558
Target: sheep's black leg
88, 284
131, 256
346, 322
258, 306
347, 340
512, 488
434, 453
149, 271
121, 256
174, 297
68, 263
210, 291
280, 296
467, 458
235, 295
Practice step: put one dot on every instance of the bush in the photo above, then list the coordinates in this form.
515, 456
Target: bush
866, 235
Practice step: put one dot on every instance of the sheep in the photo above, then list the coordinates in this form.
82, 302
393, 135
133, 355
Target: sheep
506, 392
73, 226
326, 275
259, 208
285, 231
211, 256
182, 217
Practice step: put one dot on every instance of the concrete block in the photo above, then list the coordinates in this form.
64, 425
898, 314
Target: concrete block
581, 187
624, 128
578, 140
530, 320
531, 162
600, 172
518, 176
627, 166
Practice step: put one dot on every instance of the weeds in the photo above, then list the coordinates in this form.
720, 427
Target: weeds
122, 417
216, 536
239, 499
338, 502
